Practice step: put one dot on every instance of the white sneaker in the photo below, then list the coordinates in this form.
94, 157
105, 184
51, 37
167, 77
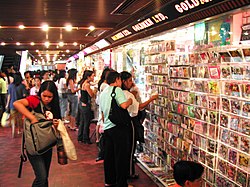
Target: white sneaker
66, 121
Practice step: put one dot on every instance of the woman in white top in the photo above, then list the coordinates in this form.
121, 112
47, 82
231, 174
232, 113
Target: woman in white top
127, 83
61, 86
72, 97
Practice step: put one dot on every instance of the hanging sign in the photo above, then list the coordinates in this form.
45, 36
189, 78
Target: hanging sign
169, 12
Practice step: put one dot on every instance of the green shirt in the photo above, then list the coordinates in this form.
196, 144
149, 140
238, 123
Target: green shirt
105, 103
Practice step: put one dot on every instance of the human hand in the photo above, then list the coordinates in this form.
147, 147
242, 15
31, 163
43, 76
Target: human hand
154, 97
130, 101
55, 123
33, 120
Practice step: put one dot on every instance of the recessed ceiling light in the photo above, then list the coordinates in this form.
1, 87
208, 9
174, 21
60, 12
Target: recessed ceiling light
3, 43
75, 43
68, 27
37, 51
67, 51
32, 43
91, 27
47, 44
61, 44
21, 26
18, 43
45, 27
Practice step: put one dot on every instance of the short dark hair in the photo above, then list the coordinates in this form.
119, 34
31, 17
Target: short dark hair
125, 76
187, 171
112, 76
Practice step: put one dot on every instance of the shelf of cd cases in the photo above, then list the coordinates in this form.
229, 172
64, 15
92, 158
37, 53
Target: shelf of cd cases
203, 111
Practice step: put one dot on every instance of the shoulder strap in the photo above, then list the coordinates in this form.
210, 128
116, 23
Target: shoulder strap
113, 94
23, 157
41, 105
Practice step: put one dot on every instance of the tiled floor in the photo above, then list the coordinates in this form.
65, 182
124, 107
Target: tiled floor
84, 172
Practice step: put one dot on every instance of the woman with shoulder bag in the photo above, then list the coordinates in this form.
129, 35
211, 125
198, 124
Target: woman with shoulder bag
48, 95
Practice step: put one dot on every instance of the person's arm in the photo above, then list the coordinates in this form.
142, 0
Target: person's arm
97, 133
64, 83
71, 85
1, 84
126, 104
121, 99
7, 102
21, 107
143, 105
88, 89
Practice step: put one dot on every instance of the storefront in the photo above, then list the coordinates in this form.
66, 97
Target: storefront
201, 71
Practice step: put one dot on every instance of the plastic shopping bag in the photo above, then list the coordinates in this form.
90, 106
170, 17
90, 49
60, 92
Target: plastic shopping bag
68, 145
5, 122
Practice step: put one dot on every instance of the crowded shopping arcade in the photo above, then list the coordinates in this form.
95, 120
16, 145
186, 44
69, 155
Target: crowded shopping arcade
125, 93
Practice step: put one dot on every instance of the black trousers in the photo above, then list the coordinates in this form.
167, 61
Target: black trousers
116, 156
132, 145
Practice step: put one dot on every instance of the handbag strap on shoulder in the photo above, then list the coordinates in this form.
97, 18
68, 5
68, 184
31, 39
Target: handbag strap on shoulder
113, 94
41, 105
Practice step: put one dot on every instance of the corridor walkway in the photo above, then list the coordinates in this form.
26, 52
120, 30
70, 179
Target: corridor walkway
84, 172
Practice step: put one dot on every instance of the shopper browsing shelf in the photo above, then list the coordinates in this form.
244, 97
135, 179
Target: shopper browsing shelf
116, 137
127, 83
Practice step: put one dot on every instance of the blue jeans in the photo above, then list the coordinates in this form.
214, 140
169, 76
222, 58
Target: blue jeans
85, 117
63, 102
73, 99
41, 166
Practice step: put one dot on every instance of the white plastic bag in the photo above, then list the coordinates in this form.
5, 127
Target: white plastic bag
68, 145
5, 122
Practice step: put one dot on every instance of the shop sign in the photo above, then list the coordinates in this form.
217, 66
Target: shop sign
190, 4
165, 14
245, 34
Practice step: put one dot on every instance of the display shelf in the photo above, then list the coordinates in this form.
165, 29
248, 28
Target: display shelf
207, 96
158, 173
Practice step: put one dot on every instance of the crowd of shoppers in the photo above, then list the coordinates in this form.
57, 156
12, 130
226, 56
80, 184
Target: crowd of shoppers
66, 98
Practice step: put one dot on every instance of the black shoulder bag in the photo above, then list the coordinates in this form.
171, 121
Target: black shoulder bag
117, 114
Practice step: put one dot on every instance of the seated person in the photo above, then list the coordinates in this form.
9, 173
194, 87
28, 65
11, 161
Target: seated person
188, 174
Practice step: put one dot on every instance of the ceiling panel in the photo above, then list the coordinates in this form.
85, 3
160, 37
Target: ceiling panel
56, 13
